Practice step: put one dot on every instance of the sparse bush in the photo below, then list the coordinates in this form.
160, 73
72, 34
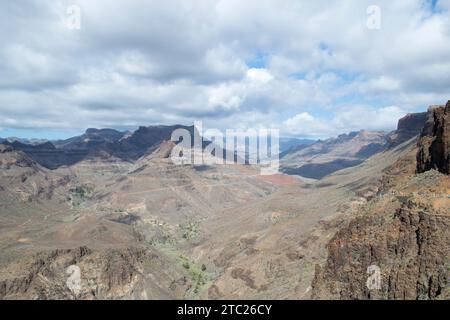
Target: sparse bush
196, 274
82, 192
190, 230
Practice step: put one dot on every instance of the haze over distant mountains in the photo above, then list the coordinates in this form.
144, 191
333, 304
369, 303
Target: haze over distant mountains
128, 146
303, 157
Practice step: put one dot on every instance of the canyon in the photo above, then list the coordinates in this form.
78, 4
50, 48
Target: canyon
139, 227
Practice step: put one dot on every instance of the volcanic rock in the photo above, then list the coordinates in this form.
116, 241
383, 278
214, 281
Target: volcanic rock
434, 143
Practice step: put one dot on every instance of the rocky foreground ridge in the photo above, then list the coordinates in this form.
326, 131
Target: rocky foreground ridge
434, 144
403, 231
113, 273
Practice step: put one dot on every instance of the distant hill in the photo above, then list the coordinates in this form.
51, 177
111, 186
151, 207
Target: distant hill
287, 144
304, 157
24, 141
322, 158
90, 138
98, 143
325, 157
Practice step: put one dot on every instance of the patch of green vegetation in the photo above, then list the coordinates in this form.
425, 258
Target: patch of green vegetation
82, 192
167, 241
109, 210
190, 230
196, 273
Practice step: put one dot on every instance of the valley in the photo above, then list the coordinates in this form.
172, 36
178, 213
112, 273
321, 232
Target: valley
143, 228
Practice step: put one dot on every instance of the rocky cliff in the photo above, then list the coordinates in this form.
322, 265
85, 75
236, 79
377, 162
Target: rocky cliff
434, 143
408, 127
402, 232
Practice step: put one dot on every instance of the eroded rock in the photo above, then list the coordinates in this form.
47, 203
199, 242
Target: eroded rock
434, 143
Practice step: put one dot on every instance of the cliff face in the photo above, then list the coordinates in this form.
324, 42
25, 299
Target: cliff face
403, 231
407, 238
434, 144
408, 127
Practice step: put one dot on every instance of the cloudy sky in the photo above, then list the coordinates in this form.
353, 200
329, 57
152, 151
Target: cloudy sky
309, 68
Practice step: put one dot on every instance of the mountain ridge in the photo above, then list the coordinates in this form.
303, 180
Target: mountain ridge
101, 143
325, 157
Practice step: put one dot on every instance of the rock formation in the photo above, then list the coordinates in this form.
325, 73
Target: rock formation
402, 231
434, 144
103, 274
408, 127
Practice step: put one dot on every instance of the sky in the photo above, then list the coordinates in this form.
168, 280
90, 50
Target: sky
313, 69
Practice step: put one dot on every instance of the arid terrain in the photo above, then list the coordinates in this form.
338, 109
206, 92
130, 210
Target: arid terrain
140, 227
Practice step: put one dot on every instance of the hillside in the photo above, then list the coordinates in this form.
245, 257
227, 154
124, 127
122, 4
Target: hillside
325, 157
149, 229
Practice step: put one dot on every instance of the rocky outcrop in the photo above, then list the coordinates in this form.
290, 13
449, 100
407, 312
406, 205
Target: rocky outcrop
434, 143
11, 158
5, 148
408, 127
410, 244
119, 273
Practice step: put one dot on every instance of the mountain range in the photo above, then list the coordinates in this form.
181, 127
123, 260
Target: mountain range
304, 157
140, 227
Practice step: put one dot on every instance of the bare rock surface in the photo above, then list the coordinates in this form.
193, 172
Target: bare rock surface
408, 127
434, 143
403, 230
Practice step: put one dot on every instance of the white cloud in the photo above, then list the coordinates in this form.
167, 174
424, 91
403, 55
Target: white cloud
352, 119
305, 125
358, 118
133, 63
381, 84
